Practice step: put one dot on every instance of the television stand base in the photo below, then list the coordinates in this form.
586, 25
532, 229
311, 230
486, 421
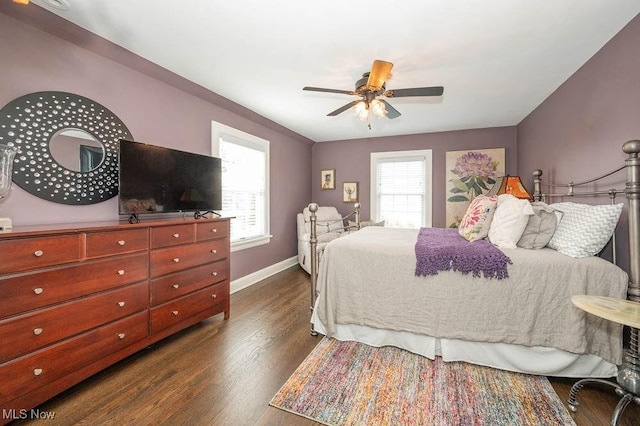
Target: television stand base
200, 215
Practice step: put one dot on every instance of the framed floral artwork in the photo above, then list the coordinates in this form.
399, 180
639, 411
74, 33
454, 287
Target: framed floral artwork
468, 174
328, 178
350, 192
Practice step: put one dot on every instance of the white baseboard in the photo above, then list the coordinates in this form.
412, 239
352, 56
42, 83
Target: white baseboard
251, 279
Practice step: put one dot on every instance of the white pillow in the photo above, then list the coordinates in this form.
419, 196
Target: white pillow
584, 229
509, 221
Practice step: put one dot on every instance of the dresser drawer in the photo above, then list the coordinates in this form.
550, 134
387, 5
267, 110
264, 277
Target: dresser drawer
211, 230
166, 261
34, 253
166, 236
32, 371
181, 309
34, 330
116, 242
175, 285
26, 292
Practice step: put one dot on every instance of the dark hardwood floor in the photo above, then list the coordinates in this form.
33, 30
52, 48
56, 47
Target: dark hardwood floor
226, 372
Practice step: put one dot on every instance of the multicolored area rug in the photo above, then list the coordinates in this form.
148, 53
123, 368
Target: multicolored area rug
348, 383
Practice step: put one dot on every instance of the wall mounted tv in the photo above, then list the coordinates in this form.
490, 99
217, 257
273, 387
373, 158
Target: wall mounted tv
154, 179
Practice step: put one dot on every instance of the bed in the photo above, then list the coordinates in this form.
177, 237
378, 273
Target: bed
366, 289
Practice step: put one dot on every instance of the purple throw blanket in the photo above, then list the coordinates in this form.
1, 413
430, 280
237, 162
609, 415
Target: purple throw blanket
443, 249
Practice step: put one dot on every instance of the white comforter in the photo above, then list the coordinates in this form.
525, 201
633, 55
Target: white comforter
368, 278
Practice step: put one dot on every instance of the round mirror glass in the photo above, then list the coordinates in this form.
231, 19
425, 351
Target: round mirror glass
76, 150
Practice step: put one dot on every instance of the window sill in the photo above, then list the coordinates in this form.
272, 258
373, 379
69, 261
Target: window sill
250, 242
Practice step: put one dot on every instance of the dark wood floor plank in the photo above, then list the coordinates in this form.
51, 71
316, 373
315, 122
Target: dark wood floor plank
226, 372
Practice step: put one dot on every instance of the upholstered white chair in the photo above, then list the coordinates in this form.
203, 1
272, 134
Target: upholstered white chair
329, 226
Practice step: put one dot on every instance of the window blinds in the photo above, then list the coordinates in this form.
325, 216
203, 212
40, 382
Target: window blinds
243, 187
401, 191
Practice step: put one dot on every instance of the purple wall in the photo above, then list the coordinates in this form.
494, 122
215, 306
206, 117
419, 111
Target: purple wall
577, 132
158, 108
351, 159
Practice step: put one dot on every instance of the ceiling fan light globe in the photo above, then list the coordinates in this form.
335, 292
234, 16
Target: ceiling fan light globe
361, 111
377, 108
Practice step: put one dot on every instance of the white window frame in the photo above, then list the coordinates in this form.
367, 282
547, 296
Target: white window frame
220, 131
425, 154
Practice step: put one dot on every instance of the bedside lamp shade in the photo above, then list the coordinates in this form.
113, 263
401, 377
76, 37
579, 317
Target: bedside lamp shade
510, 185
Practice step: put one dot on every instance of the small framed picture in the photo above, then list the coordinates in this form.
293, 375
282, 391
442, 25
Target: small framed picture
350, 192
328, 178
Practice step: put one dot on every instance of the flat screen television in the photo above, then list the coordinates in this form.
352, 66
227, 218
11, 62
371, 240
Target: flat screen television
154, 179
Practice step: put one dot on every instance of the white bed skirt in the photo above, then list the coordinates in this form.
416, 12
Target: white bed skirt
522, 359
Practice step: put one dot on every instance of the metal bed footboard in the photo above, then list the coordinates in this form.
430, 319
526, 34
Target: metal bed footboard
313, 242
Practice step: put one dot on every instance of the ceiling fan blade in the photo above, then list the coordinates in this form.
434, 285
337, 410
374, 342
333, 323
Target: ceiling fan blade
415, 91
379, 73
320, 89
391, 111
342, 108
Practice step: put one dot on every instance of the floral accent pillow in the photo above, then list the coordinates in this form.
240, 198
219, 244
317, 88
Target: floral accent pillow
477, 220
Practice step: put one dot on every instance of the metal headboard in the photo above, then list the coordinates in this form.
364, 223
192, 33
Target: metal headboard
632, 192
631, 148
538, 195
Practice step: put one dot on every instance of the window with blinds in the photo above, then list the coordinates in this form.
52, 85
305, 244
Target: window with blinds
245, 184
401, 188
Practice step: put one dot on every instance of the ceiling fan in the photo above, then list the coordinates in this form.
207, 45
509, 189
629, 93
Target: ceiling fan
372, 85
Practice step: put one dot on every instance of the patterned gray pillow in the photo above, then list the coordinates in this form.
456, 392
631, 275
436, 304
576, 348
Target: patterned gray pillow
540, 227
584, 229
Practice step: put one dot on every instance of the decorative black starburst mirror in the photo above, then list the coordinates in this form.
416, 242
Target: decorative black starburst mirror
67, 146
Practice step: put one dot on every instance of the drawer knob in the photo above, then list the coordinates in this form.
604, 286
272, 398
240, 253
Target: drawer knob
176, 286
213, 296
37, 331
121, 304
121, 272
214, 273
38, 253
176, 235
121, 336
121, 242
176, 259
37, 371
214, 251
175, 313
37, 290
214, 230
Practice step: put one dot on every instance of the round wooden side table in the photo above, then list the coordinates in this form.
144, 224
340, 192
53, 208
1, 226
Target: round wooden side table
623, 312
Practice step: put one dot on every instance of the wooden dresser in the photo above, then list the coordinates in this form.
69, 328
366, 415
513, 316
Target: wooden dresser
77, 298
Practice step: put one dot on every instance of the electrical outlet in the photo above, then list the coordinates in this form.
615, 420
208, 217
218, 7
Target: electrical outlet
5, 223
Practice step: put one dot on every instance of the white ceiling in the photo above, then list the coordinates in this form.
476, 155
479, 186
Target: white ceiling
497, 60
